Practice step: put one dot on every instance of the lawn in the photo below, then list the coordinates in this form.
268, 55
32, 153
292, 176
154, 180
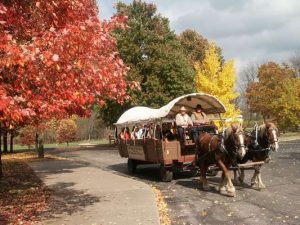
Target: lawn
64, 145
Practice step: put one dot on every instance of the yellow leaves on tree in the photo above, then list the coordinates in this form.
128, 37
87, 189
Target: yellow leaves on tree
218, 80
66, 131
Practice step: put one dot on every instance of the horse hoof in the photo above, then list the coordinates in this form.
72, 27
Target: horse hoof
223, 192
261, 187
231, 194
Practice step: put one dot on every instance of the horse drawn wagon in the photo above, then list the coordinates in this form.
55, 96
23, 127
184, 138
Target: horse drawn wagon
195, 147
158, 147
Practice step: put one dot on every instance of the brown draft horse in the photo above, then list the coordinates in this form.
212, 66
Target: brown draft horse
260, 142
220, 150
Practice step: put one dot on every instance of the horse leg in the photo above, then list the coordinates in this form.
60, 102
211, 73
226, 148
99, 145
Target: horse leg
254, 177
260, 183
222, 187
242, 176
203, 177
236, 178
230, 187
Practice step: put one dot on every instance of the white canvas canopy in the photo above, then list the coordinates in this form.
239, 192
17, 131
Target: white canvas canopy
138, 114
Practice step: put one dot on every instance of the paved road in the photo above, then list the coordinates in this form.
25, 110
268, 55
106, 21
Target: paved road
84, 194
188, 204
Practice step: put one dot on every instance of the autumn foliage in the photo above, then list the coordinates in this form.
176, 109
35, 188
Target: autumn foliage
56, 58
66, 131
276, 94
27, 136
218, 80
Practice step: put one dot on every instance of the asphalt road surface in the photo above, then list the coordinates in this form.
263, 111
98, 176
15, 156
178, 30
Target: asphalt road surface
278, 204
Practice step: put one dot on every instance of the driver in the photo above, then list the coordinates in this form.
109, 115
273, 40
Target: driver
183, 120
199, 117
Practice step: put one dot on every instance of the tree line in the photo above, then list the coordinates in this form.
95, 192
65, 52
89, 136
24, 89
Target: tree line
57, 59
167, 65
272, 91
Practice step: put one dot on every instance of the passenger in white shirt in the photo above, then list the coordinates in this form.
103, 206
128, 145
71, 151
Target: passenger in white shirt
183, 120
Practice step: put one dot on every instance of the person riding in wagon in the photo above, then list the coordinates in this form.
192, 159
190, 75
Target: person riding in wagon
183, 120
199, 117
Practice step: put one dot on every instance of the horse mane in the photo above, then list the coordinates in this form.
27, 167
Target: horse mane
234, 128
262, 128
262, 131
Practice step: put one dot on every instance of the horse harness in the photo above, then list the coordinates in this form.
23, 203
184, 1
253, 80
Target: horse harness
257, 146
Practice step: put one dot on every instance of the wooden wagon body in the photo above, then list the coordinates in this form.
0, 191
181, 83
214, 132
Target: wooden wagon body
170, 155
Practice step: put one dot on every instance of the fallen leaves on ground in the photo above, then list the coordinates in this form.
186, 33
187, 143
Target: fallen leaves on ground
31, 156
22, 194
162, 207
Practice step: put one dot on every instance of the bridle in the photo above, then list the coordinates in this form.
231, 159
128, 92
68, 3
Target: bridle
240, 145
265, 135
273, 130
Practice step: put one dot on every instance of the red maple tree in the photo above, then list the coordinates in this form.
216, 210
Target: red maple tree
56, 59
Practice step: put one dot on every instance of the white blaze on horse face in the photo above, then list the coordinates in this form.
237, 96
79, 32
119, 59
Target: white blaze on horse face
275, 144
241, 138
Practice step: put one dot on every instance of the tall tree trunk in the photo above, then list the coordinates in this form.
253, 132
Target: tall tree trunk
5, 141
1, 173
39, 146
11, 141
36, 142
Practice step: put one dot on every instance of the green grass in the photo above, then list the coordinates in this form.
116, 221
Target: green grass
290, 134
63, 145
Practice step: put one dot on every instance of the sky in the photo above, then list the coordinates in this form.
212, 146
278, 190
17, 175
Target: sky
248, 31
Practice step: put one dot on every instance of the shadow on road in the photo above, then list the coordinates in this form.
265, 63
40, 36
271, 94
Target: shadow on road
146, 172
56, 167
65, 199
143, 172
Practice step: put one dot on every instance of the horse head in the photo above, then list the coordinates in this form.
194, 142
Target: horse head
236, 136
271, 133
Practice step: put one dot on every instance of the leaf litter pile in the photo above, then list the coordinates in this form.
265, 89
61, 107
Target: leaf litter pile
162, 207
23, 196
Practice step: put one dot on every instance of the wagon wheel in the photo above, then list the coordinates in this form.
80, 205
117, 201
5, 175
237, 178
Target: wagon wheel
166, 174
131, 165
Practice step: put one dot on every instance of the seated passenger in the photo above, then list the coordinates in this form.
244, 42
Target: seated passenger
183, 120
158, 133
150, 131
140, 132
135, 134
199, 117
125, 134
167, 133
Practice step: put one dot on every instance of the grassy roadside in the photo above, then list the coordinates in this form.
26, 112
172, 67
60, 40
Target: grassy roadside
62, 145
289, 136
